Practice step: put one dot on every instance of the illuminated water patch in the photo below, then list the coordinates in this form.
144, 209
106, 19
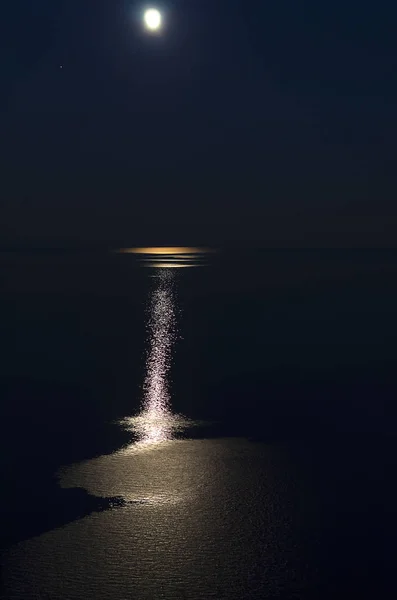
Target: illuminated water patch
170, 257
156, 423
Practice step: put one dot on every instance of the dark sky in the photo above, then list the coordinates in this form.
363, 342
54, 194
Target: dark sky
262, 121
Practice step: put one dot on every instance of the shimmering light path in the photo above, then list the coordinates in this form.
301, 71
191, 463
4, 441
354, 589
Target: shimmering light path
156, 423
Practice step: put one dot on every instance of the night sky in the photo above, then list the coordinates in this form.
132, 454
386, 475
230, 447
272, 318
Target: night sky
269, 122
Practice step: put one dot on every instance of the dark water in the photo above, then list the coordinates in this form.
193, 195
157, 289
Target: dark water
223, 431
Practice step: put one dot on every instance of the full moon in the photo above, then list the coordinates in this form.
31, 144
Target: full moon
153, 19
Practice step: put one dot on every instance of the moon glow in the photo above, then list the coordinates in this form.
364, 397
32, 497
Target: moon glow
153, 19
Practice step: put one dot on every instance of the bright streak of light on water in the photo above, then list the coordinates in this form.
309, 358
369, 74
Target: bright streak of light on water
170, 257
156, 423
165, 250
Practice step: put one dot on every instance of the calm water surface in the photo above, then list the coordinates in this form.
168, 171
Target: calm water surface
248, 458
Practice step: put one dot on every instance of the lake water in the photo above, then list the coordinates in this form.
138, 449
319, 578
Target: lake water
224, 429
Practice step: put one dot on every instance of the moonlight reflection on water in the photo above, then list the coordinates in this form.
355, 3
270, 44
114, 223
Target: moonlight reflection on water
156, 423
170, 257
